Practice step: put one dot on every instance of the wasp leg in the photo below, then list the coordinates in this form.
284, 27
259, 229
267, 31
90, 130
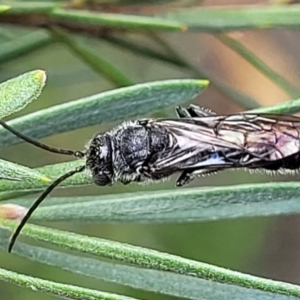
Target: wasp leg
185, 178
189, 175
182, 112
193, 111
150, 174
197, 111
143, 122
127, 181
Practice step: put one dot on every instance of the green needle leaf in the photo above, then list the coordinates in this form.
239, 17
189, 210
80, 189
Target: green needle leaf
93, 59
60, 290
116, 20
150, 280
222, 19
30, 7
110, 106
23, 44
51, 171
259, 64
14, 172
16, 93
288, 107
153, 259
4, 8
174, 205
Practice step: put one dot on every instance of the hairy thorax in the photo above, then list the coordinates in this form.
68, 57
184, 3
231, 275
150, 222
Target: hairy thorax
133, 147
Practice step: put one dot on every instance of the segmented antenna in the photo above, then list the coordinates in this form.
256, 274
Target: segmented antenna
34, 206
49, 189
77, 154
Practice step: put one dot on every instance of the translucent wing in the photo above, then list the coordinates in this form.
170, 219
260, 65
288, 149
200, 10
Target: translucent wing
268, 137
241, 140
193, 144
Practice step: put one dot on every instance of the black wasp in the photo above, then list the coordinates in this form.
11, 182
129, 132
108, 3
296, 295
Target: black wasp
197, 143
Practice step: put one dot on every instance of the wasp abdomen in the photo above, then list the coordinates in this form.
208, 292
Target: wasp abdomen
288, 163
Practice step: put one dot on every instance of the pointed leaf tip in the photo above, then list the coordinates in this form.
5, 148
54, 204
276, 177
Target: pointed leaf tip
15, 172
204, 83
4, 8
41, 74
45, 179
17, 92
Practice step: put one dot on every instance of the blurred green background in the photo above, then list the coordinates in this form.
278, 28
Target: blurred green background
266, 247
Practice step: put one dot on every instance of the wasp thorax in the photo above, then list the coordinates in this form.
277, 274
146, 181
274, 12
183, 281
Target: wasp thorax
99, 159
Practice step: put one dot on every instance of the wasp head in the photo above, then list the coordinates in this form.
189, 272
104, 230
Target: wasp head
99, 159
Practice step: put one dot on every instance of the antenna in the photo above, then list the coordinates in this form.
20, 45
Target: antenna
52, 186
37, 202
77, 154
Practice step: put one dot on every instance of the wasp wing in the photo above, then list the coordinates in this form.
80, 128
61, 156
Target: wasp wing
193, 145
241, 140
267, 136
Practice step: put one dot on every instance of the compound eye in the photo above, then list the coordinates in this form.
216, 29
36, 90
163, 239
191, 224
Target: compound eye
102, 179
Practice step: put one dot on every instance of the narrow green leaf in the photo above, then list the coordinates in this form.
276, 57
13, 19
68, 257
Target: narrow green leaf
288, 107
222, 19
30, 7
4, 8
259, 64
13, 194
11, 171
235, 95
176, 205
208, 197
60, 290
51, 171
23, 45
150, 280
93, 59
116, 20
127, 44
110, 106
16, 93
153, 259
6, 35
